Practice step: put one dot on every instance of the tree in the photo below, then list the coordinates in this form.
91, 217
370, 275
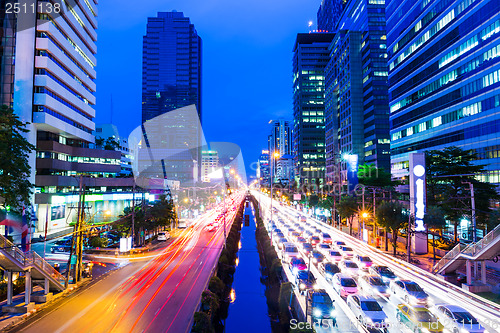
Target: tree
15, 187
202, 323
348, 208
448, 172
370, 175
434, 220
390, 215
107, 144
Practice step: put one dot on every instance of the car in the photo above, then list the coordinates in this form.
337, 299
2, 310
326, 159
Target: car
418, 319
321, 306
338, 244
364, 262
297, 264
410, 292
301, 240
294, 235
210, 228
326, 238
280, 241
289, 251
349, 267
374, 286
383, 272
308, 234
163, 236
306, 248
328, 270
314, 240
304, 281
457, 319
368, 311
346, 252
323, 248
317, 257
344, 285
61, 246
333, 255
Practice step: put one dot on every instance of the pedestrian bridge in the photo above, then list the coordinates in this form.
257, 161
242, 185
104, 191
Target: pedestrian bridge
486, 249
36, 270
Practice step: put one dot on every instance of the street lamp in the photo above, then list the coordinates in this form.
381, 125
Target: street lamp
364, 216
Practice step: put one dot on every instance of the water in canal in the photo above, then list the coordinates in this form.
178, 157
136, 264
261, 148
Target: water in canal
248, 312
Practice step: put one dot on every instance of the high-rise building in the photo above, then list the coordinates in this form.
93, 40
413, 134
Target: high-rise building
209, 164
263, 169
7, 53
444, 75
110, 132
171, 65
310, 58
357, 109
280, 141
329, 13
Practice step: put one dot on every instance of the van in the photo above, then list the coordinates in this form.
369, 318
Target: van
289, 251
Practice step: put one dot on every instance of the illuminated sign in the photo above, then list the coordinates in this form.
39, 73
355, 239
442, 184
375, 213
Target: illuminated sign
417, 189
352, 170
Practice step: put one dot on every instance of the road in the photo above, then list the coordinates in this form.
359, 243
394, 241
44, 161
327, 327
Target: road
156, 295
439, 291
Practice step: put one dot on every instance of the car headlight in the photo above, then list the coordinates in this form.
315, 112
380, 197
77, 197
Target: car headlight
333, 313
315, 286
315, 260
302, 286
425, 330
463, 330
317, 312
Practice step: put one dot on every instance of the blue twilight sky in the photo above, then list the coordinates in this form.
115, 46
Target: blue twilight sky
247, 63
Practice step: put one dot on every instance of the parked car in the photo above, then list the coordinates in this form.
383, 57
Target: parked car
363, 262
304, 281
368, 311
297, 264
163, 236
374, 286
344, 285
326, 238
346, 252
410, 292
328, 270
322, 306
349, 267
333, 255
289, 251
317, 257
383, 272
418, 319
457, 319
306, 248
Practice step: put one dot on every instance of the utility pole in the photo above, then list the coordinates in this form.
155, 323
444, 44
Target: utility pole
133, 215
375, 229
473, 217
68, 270
80, 238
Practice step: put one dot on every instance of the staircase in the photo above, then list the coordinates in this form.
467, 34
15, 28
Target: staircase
13, 259
486, 249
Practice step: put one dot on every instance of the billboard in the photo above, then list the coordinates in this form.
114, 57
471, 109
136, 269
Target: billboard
352, 171
57, 212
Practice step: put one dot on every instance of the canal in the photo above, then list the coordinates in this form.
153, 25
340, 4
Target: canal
248, 312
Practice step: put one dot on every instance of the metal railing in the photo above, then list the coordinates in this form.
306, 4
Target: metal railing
449, 257
474, 249
30, 257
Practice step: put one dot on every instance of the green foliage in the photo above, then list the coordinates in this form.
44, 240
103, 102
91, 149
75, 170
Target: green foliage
390, 215
98, 242
107, 144
216, 286
348, 207
493, 219
209, 303
284, 301
202, 323
370, 175
15, 187
434, 218
450, 192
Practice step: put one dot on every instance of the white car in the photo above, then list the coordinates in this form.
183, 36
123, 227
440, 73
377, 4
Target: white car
374, 286
333, 256
368, 311
163, 236
323, 248
346, 252
344, 285
457, 319
289, 251
410, 292
364, 262
349, 267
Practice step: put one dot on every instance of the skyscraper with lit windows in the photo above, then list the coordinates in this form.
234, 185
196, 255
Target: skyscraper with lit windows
444, 74
310, 57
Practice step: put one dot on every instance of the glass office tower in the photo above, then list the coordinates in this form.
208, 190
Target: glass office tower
171, 65
444, 74
309, 60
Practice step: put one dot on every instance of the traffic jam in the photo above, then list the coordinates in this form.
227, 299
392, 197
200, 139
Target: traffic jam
377, 298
